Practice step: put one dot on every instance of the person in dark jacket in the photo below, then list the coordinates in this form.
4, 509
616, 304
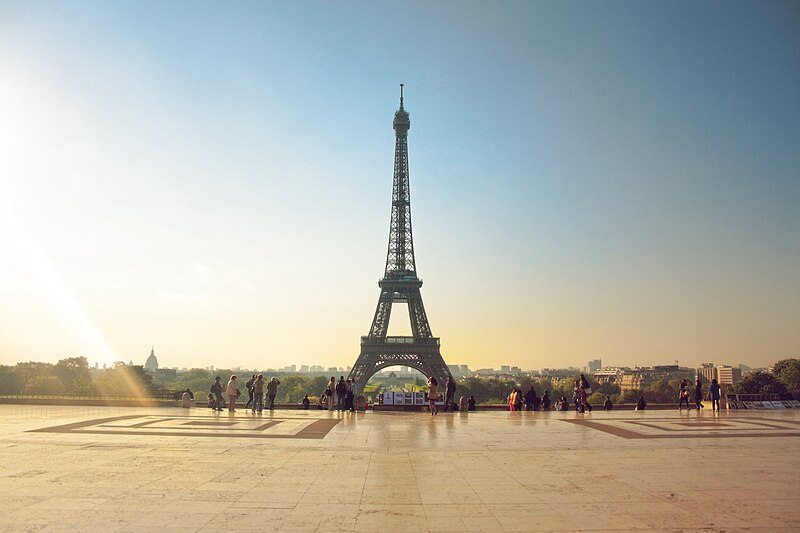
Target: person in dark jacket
546, 401
531, 400
715, 395
607, 405
698, 394
641, 404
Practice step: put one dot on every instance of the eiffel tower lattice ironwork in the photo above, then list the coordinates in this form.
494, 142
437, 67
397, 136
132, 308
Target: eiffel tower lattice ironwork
400, 284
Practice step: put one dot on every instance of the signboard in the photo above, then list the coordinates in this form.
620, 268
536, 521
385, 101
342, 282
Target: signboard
388, 398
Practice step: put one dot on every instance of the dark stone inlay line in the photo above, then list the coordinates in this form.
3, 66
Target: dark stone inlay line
204, 423
316, 430
628, 434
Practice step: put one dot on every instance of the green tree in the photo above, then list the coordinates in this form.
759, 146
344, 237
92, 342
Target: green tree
73, 372
759, 383
787, 371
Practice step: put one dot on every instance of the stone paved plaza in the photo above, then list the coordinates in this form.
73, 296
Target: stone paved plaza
134, 469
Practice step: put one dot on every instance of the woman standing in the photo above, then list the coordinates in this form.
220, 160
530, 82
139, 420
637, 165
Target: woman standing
433, 394
714, 390
683, 395
232, 393
330, 393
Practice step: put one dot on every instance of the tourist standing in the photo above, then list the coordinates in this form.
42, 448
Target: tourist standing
471, 403
607, 405
330, 393
349, 396
433, 394
258, 393
233, 392
641, 404
449, 393
698, 394
341, 393
546, 401
249, 386
306, 402
216, 390
272, 391
531, 399
715, 395
683, 395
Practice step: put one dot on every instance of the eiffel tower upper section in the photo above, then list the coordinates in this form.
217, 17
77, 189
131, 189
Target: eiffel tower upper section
400, 264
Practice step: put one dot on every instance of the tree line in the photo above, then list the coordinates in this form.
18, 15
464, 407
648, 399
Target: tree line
73, 376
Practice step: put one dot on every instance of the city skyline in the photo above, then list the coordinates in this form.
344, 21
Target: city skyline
615, 181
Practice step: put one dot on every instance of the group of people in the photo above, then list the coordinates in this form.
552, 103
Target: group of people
255, 390
531, 401
713, 390
338, 395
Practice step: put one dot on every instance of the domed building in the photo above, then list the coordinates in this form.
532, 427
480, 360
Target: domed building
151, 365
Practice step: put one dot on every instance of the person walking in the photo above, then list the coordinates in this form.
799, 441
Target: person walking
272, 391
216, 390
233, 393
698, 394
683, 395
249, 385
715, 395
341, 393
330, 393
433, 394
258, 393
449, 393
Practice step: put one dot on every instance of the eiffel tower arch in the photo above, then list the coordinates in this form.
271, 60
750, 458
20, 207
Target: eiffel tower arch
400, 284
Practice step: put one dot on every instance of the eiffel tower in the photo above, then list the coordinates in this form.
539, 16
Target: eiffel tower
400, 284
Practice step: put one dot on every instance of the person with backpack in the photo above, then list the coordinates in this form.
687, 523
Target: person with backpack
216, 390
272, 391
249, 386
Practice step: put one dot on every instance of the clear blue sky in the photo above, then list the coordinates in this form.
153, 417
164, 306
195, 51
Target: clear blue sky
596, 179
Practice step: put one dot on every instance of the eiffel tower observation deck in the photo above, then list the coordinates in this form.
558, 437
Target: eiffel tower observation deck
400, 284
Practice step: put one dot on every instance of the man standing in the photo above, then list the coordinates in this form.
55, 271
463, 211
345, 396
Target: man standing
531, 400
272, 390
257, 392
341, 393
216, 390
449, 393
249, 386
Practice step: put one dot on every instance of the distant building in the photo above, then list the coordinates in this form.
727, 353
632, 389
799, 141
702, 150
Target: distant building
707, 372
151, 365
505, 369
727, 375
594, 365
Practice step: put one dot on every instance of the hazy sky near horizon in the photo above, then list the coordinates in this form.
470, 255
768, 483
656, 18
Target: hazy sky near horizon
589, 179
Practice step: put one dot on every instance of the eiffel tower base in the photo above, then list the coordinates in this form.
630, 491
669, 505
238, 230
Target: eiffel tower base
420, 354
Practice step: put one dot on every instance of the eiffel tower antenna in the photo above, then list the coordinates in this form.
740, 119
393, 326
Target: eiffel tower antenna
400, 284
